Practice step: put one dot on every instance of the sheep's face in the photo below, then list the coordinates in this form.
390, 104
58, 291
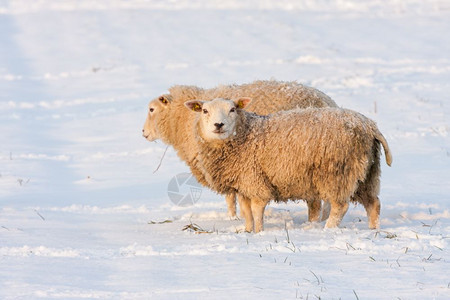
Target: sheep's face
155, 109
218, 117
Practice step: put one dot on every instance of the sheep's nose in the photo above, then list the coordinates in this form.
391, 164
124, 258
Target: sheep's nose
218, 125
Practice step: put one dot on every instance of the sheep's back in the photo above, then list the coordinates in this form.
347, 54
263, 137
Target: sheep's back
270, 96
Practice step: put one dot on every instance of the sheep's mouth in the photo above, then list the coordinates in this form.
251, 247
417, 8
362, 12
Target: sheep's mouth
219, 131
149, 138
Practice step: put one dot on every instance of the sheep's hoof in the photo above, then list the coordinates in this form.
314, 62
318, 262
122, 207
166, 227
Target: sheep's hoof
330, 225
374, 227
311, 225
258, 230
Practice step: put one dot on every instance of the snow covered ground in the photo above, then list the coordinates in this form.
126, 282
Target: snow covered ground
83, 215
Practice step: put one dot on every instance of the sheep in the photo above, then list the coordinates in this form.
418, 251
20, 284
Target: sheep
168, 122
331, 154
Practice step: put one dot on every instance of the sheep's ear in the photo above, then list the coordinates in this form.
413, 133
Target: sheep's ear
164, 99
195, 105
242, 102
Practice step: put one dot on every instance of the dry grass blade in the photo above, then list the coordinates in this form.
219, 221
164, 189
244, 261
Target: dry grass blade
356, 295
318, 281
160, 222
389, 235
195, 228
160, 162
43, 219
287, 232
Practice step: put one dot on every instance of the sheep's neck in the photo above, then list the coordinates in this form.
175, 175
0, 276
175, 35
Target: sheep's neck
179, 131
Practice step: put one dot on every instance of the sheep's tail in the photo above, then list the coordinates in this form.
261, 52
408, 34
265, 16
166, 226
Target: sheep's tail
387, 151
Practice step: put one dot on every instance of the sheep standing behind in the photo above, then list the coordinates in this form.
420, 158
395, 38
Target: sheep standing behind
331, 154
168, 120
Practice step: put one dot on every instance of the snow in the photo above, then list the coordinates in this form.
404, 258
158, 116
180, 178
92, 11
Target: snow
83, 215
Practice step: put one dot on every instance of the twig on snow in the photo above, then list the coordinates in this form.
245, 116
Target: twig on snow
43, 219
196, 228
357, 298
160, 222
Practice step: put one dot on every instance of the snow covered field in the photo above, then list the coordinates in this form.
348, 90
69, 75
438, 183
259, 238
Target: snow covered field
83, 215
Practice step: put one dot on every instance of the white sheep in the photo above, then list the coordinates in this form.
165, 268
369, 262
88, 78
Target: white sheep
331, 154
166, 121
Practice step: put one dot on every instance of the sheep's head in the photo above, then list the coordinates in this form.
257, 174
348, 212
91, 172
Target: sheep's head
156, 107
218, 117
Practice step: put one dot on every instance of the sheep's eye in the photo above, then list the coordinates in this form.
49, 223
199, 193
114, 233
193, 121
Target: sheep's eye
233, 109
151, 109
205, 111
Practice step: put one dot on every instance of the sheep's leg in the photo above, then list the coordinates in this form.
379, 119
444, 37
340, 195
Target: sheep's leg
326, 207
368, 191
231, 204
258, 206
373, 208
247, 211
338, 210
241, 211
314, 207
